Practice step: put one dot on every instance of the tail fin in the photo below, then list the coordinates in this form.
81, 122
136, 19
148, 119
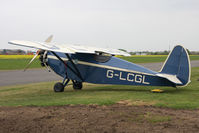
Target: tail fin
178, 65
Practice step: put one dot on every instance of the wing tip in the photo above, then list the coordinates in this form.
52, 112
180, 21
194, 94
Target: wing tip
12, 42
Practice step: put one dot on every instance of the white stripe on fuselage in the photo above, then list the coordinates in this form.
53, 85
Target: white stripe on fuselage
99, 65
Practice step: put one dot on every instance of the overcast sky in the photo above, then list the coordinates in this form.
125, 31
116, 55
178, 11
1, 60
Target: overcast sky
129, 24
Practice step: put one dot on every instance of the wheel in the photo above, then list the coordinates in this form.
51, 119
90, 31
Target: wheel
58, 87
77, 85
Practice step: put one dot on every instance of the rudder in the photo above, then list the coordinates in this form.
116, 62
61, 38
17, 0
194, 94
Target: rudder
178, 63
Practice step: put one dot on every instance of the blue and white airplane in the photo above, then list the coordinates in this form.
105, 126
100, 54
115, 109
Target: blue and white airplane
99, 66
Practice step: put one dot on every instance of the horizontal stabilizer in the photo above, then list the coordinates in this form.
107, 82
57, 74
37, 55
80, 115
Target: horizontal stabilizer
172, 78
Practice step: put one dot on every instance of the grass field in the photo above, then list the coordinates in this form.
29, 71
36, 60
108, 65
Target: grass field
151, 58
41, 94
14, 62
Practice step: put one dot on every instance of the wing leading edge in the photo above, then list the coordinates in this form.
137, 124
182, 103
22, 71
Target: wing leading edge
64, 48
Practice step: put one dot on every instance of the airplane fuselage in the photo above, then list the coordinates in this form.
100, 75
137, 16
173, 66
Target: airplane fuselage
100, 69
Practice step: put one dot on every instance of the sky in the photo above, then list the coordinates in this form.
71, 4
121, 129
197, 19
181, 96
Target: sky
134, 25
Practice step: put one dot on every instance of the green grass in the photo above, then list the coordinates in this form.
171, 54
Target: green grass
41, 94
149, 59
194, 57
14, 64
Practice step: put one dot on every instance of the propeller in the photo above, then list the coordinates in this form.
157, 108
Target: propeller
27, 66
48, 40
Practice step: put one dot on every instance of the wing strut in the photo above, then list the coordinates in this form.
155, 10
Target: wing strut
79, 74
76, 73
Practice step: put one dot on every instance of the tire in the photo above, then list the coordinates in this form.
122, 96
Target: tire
77, 85
58, 87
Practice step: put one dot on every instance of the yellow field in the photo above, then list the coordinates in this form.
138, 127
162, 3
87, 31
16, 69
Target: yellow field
16, 56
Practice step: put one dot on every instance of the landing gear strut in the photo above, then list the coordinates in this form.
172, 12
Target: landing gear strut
59, 87
77, 85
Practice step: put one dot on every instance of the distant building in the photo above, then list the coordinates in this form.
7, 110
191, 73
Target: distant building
140, 53
12, 52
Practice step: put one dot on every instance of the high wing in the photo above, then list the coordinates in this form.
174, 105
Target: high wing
65, 48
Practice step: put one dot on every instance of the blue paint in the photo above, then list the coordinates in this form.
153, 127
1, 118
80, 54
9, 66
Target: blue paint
120, 71
178, 64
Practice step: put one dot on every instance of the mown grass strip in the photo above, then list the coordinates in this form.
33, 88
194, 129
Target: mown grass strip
14, 64
42, 94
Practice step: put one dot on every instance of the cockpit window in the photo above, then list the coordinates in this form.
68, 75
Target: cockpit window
102, 57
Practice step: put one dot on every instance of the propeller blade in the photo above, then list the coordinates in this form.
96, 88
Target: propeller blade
27, 66
49, 39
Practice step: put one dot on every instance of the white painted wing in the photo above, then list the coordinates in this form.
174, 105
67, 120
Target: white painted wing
89, 49
65, 48
39, 45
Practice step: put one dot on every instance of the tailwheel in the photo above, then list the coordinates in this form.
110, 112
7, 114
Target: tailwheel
58, 87
77, 85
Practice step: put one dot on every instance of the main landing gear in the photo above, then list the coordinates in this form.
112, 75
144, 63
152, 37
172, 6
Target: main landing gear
77, 85
59, 87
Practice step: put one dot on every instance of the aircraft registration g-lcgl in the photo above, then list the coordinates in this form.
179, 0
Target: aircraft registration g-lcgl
99, 66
